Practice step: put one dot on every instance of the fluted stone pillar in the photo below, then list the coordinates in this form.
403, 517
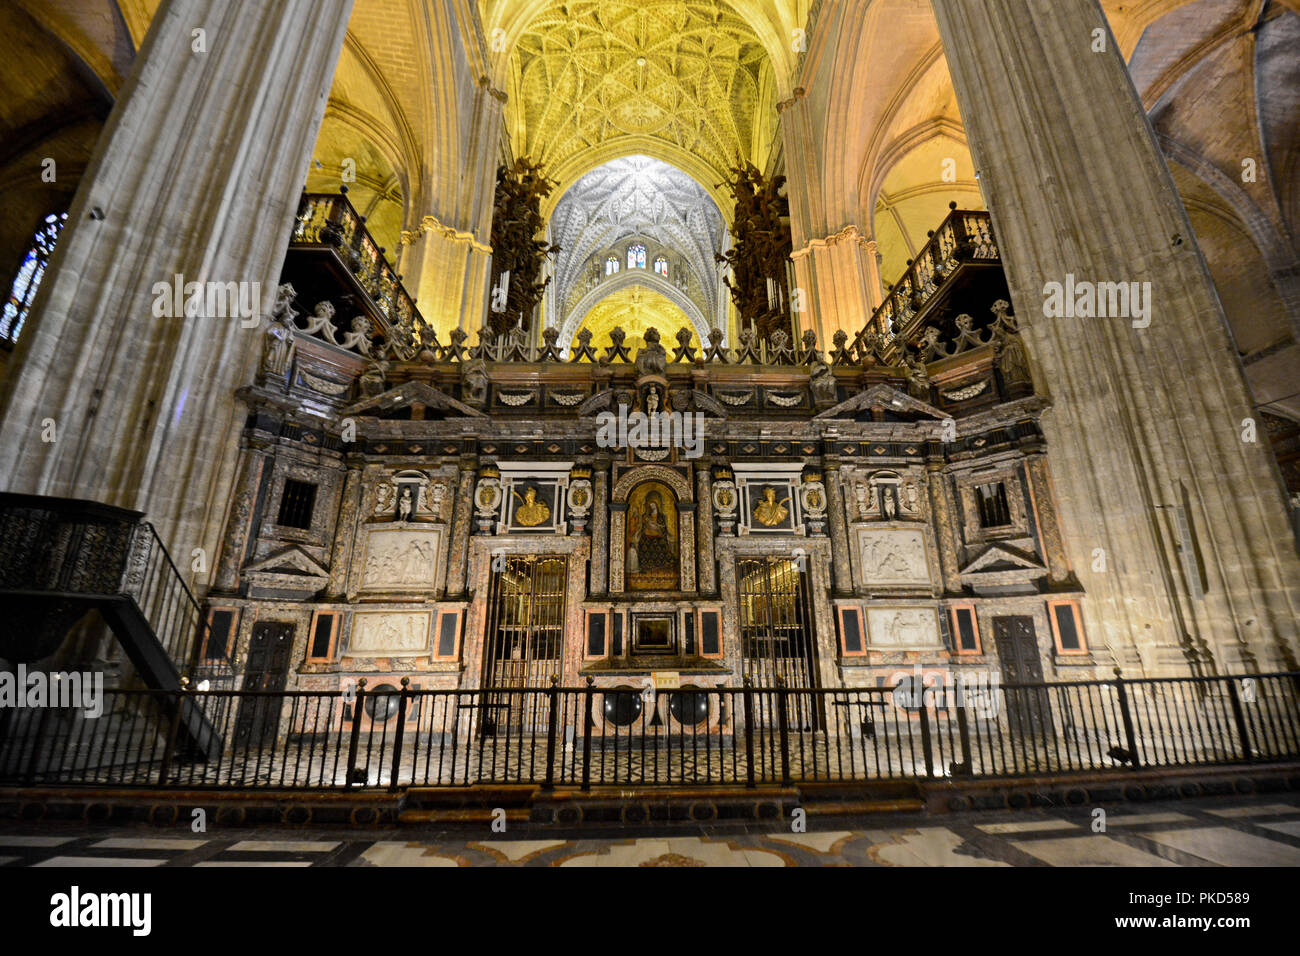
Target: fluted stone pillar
840, 278
462, 517
600, 528
197, 173
1144, 419
449, 266
841, 561
345, 529
706, 565
835, 267
234, 543
944, 522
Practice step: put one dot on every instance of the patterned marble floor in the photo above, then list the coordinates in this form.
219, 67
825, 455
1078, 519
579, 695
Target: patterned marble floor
1258, 831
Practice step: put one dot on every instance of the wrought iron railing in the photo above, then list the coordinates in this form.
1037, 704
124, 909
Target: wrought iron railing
60, 555
329, 219
392, 737
965, 235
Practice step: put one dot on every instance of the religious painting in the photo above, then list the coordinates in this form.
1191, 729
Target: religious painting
652, 562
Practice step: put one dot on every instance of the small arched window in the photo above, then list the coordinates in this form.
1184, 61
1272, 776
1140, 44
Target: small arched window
636, 256
611, 265
661, 266
28, 280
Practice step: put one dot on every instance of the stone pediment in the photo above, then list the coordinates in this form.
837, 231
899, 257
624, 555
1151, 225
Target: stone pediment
290, 560
884, 396
289, 573
1002, 559
412, 393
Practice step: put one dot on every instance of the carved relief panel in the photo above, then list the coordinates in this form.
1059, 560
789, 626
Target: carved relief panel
400, 561
902, 628
893, 557
390, 634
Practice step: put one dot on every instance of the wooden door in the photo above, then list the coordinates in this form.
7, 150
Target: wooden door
267, 670
1028, 711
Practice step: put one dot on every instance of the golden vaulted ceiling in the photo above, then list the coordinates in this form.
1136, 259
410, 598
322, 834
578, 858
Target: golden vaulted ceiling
634, 309
686, 76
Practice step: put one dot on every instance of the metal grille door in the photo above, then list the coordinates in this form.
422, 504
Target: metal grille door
776, 629
525, 635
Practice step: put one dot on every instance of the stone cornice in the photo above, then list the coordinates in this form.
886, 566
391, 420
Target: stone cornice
850, 233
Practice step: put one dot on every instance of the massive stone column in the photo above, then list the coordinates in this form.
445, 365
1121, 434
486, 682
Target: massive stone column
840, 279
1147, 421
836, 272
450, 264
197, 174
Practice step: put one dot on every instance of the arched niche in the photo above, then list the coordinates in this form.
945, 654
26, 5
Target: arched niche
630, 492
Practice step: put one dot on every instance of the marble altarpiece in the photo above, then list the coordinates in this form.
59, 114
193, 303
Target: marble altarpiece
913, 521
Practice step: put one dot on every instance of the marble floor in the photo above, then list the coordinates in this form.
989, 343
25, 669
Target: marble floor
1247, 831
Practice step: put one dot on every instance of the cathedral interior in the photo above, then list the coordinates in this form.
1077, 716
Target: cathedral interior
493, 346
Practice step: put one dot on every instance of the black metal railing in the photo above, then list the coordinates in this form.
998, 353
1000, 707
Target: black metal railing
590, 736
58, 553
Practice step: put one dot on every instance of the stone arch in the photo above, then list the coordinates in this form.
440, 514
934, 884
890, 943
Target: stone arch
624, 278
685, 523
578, 165
670, 477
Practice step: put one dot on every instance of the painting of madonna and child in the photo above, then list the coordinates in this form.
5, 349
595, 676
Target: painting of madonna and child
652, 556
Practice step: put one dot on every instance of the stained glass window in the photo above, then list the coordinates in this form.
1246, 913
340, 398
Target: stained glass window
611, 265
636, 256
28, 280
661, 266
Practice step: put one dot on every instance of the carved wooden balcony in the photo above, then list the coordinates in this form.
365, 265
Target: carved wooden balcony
960, 262
332, 256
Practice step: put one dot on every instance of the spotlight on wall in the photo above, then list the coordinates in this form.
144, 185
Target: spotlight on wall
96, 213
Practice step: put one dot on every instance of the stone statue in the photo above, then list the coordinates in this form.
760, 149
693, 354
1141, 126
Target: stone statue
821, 379
918, 377
278, 347
652, 359
406, 502
474, 382
374, 380
1009, 353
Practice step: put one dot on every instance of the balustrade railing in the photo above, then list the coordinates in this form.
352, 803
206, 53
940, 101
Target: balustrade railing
329, 219
582, 737
964, 236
